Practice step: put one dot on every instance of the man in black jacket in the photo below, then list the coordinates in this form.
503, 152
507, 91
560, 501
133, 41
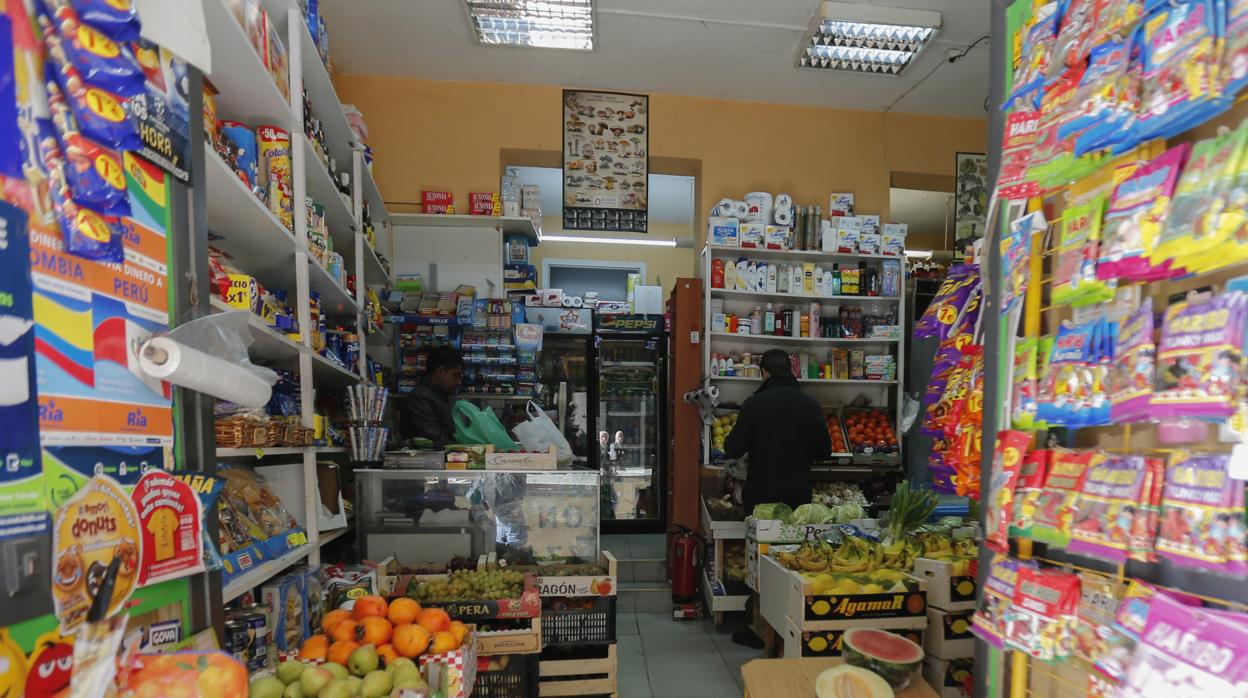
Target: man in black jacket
784, 432
426, 411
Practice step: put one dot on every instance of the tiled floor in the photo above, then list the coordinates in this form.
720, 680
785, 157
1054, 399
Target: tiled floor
636, 546
662, 658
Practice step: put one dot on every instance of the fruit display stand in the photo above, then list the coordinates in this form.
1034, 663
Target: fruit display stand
579, 655
795, 678
725, 539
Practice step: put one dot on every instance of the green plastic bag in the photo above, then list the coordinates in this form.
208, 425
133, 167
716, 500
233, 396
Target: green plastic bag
476, 425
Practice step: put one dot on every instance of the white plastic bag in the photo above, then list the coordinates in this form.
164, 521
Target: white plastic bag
540, 433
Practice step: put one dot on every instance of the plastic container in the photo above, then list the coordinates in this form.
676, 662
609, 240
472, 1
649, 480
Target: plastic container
518, 679
578, 621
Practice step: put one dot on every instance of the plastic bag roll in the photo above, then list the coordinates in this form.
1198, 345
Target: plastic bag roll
189, 368
760, 204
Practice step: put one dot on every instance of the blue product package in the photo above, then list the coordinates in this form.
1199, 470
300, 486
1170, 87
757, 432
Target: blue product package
240, 139
1178, 90
10, 141
208, 488
19, 406
86, 233
117, 19
99, 60
102, 115
94, 173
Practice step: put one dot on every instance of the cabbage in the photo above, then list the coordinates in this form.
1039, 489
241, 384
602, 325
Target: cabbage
808, 514
844, 513
778, 511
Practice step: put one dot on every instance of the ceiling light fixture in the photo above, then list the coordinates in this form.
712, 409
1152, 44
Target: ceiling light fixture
566, 24
919, 254
863, 39
609, 241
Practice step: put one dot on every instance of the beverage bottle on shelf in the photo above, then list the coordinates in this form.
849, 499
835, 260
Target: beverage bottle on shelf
717, 273
782, 279
836, 279
756, 320
769, 320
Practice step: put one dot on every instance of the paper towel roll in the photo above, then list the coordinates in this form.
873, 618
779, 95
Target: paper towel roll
783, 216
578, 302
760, 205
726, 208
567, 301
189, 368
740, 209
784, 201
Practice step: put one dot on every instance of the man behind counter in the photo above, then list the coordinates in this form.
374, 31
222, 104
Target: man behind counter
426, 411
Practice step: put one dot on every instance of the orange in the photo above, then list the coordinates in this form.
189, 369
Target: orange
334, 617
459, 630
444, 642
387, 653
376, 631
340, 651
314, 647
403, 610
347, 630
411, 640
433, 619
369, 607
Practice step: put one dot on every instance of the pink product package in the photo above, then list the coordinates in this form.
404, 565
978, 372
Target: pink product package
988, 622
1188, 651
1202, 515
1106, 508
1131, 381
1200, 357
1136, 203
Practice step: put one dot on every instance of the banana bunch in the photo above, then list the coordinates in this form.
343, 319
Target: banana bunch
898, 556
965, 548
936, 545
857, 555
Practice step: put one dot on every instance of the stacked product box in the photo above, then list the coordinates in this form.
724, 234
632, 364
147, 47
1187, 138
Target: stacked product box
949, 645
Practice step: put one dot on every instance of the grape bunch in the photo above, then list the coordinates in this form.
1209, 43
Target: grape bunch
473, 585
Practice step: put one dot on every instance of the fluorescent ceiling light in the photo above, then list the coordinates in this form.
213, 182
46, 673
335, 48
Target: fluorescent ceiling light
567, 24
919, 254
609, 241
867, 39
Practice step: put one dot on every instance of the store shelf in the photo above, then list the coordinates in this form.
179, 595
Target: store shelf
372, 194
335, 300
263, 572
244, 228
720, 530
829, 381
268, 346
781, 297
374, 273
517, 225
722, 604
338, 212
628, 364
247, 92
792, 255
260, 453
330, 375
328, 537
770, 338
321, 94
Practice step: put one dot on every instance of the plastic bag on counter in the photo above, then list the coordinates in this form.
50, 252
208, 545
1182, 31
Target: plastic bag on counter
539, 433
476, 425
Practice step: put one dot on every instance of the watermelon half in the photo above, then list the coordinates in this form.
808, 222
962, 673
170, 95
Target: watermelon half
891, 656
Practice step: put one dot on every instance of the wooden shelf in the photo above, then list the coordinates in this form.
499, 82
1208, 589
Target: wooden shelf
792, 255
511, 225
263, 572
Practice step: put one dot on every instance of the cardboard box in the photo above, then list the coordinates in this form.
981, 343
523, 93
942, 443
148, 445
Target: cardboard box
458, 667
530, 196
787, 596
527, 605
512, 641
724, 232
437, 202
775, 237
827, 642
949, 677
520, 461
945, 589
949, 634
773, 531
841, 204
893, 239
752, 234
484, 203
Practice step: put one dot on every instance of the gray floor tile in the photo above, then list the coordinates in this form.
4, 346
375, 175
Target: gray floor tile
649, 571
618, 545
655, 550
653, 600
630, 645
625, 624
735, 662
634, 680
625, 603
662, 624
658, 647
691, 680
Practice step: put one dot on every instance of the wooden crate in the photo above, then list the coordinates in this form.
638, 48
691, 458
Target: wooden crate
580, 677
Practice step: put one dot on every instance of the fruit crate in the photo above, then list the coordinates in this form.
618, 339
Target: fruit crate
578, 621
506, 676
872, 435
788, 597
586, 671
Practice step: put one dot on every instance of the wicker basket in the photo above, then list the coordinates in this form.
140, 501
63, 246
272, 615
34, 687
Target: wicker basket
240, 432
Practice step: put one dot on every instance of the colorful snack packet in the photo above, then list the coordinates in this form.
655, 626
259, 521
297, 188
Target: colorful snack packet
1178, 87
1099, 367
117, 19
1233, 71
989, 620
1070, 48
1023, 402
946, 305
1188, 651
1131, 385
1200, 357
240, 144
1116, 18
99, 60
1055, 505
86, 233
1134, 217
1175, 238
1099, 599
1075, 279
1202, 515
94, 173
1007, 459
102, 115
1097, 90
1107, 505
1042, 614
1036, 50
1051, 156
1142, 541
1021, 130
1030, 484
1065, 383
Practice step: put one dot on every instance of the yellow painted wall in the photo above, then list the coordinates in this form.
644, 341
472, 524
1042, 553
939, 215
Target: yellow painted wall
441, 135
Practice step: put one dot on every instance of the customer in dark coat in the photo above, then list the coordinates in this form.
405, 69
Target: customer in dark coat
783, 431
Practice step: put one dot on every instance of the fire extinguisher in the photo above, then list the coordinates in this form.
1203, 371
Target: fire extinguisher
685, 560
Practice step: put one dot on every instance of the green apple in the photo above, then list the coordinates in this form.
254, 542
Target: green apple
355, 685
363, 660
335, 689
313, 679
397, 663
339, 671
407, 673
288, 671
294, 690
376, 685
267, 687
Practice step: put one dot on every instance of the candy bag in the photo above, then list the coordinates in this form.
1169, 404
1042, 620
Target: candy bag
1123, 635
117, 19
86, 234
969, 438
1116, 18
1200, 357
1234, 69
1178, 89
1006, 462
946, 305
1096, 93
1188, 651
1176, 235
1115, 128
1070, 48
1099, 598
1195, 215
1202, 515
1099, 367
1074, 273
102, 115
1066, 383
989, 620
1142, 543
1134, 216
1023, 402
1021, 130
1131, 387
1036, 49
1221, 199
1055, 505
94, 173
1051, 155
98, 59
1030, 485
1042, 615
1110, 498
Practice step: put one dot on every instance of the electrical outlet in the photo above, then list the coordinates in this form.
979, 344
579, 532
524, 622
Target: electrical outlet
25, 577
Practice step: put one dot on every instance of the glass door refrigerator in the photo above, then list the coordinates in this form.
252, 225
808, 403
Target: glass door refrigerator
565, 387
631, 420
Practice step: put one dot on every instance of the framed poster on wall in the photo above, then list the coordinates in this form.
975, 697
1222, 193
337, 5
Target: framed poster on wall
606, 164
970, 200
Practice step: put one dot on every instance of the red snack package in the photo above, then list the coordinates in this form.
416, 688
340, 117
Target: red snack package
1055, 506
1043, 613
1007, 459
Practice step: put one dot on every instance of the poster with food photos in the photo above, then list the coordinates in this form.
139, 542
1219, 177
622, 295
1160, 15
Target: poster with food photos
606, 144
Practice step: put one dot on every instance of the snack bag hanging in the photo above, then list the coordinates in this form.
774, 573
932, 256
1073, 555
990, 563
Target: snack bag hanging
1202, 515
1188, 651
1070, 48
1065, 385
1116, 18
1131, 385
1051, 156
1123, 635
1200, 358
1134, 217
1097, 92
968, 441
1221, 205
85, 232
1176, 236
1055, 505
98, 59
946, 305
1110, 498
1178, 89
1142, 543
1042, 615
1036, 50
1233, 72
1074, 273
1031, 477
117, 19
1114, 129
988, 622
94, 173
1099, 368
1232, 224
1007, 459
1099, 598
1194, 218
1023, 401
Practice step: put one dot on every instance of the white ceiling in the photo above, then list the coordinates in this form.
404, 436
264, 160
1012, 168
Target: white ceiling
671, 196
730, 49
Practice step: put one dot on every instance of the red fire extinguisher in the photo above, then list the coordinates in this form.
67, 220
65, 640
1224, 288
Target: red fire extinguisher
685, 561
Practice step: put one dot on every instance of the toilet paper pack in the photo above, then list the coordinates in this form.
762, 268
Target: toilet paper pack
848, 230
723, 231
776, 237
841, 204
751, 234
870, 223
893, 239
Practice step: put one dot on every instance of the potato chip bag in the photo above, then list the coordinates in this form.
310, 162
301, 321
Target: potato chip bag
1074, 272
98, 59
1066, 381
1042, 615
94, 173
989, 619
1178, 89
1007, 459
946, 305
1036, 50
1099, 598
117, 19
1134, 216
1031, 477
1188, 651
